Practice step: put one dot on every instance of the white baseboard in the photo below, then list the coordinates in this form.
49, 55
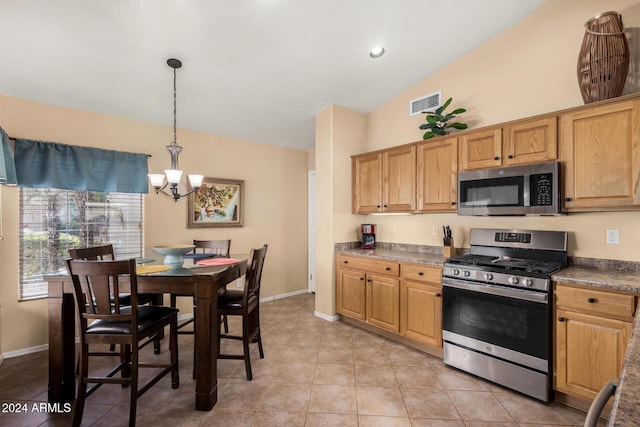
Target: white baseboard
326, 317
23, 351
289, 294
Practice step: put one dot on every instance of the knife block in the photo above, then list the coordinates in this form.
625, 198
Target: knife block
448, 251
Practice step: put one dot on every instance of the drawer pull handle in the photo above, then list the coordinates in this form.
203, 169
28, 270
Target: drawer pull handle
561, 319
592, 300
420, 273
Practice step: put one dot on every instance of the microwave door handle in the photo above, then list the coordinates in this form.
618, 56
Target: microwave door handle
526, 191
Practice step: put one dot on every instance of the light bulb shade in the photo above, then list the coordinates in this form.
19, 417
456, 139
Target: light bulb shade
156, 179
196, 181
173, 176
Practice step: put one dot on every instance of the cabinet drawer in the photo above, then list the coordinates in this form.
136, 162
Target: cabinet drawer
369, 265
596, 302
421, 273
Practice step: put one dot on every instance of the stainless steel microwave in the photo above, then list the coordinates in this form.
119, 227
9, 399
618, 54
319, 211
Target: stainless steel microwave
517, 190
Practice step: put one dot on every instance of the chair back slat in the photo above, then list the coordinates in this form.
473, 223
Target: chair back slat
218, 247
254, 271
95, 253
97, 285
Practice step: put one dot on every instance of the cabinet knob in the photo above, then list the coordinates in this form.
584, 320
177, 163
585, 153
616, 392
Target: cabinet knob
453, 203
388, 268
561, 319
568, 199
369, 280
496, 158
378, 206
362, 278
386, 206
345, 261
420, 273
592, 300
438, 295
510, 156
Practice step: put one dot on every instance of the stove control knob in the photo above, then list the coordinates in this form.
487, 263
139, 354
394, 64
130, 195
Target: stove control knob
456, 272
488, 276
527, 282
466, 273
513, 280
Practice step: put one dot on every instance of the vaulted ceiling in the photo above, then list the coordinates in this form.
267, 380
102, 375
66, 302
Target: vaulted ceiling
257, 70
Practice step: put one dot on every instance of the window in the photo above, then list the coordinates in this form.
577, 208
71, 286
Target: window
53, 221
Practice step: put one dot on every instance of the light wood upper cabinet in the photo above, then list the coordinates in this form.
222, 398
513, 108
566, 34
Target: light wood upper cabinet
530, 141
384, 181
480, 149
592, 332
437, 163
366, 180
600, 154
517, 143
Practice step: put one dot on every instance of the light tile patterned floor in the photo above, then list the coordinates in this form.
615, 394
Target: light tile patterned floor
315, 373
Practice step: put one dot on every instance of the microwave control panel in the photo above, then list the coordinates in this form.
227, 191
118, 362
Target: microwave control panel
541, 189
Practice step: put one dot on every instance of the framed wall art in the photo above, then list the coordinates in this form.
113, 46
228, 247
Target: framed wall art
218, 203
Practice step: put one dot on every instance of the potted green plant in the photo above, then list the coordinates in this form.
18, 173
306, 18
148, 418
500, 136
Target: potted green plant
437, 121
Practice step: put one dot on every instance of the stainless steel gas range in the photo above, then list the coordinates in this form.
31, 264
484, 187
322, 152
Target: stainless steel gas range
497, 307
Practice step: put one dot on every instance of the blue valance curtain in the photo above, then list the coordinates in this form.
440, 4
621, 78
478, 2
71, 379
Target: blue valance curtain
7, 168
50, 165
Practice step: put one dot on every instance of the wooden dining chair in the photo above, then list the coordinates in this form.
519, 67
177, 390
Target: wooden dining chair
96, 285
214, 248
244, 303
106, 253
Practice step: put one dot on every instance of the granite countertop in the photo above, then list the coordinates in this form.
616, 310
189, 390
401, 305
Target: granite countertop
416, 257
613, 275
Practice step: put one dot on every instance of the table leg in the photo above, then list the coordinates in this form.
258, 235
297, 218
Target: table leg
206, 346
62, 381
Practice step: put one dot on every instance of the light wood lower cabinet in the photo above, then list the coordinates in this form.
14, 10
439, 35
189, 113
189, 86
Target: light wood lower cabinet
401, 298
421, 304
592, 332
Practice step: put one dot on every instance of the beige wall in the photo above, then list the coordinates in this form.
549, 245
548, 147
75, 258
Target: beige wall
339, 133
529, 69
275, 201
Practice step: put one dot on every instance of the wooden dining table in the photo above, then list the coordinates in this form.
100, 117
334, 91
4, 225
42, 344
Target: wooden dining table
203, 282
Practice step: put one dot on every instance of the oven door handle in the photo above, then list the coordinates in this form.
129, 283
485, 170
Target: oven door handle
498, 290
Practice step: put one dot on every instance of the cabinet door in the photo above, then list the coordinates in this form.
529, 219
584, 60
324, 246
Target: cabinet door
421, 312
437, 166
366, 179
530, 141
481, 149
590, 350
600, 150
383, 302
399, 179
351, 293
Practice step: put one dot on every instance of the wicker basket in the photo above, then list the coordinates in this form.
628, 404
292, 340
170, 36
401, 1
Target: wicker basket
603, 60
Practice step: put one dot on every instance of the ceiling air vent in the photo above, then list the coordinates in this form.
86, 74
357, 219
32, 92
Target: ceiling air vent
426, 103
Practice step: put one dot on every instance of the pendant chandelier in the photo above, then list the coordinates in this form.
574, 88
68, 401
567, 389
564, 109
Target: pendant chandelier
174, 174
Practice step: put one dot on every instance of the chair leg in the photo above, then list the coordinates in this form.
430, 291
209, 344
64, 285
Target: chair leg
245, 346
133, 397
259, 339
173, 346
82, 384
125, 356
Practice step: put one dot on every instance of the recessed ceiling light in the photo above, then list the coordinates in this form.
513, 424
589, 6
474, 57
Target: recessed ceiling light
376, 52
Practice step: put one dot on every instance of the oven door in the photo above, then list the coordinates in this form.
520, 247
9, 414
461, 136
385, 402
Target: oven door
511, 324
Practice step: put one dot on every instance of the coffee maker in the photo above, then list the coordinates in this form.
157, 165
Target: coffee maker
368, 233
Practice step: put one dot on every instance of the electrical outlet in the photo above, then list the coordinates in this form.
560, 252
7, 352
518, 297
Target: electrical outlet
434, 230
613, 237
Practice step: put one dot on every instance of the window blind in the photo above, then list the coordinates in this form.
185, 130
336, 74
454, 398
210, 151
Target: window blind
52, 221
